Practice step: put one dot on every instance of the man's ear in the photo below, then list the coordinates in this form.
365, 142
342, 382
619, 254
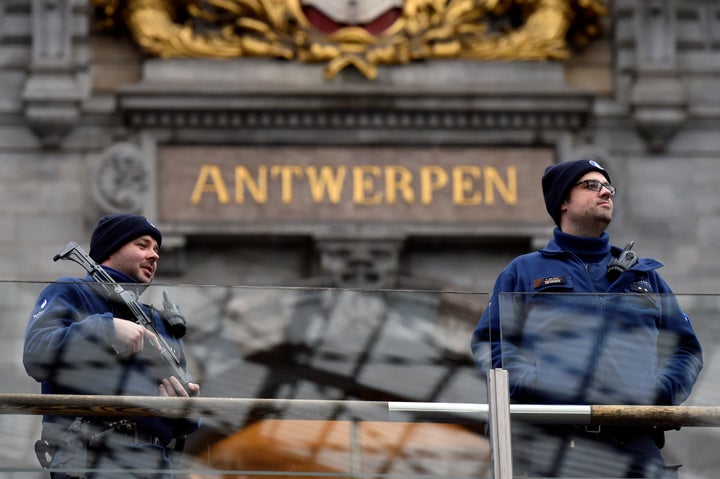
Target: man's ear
564, 205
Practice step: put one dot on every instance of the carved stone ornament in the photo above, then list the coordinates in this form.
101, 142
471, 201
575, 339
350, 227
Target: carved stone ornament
359, 33
367, 264
121, 180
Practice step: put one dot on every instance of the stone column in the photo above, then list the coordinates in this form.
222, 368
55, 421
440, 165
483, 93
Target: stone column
658, 97
54, 87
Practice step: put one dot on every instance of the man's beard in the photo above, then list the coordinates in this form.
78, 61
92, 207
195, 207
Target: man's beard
593, 223
600, 221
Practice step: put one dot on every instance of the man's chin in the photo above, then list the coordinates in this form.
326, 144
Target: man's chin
144, 278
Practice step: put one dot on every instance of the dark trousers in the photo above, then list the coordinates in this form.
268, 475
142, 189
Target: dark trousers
566, 451
121, 461
91, 451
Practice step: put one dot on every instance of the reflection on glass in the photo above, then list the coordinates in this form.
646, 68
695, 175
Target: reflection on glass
621, 349
345, 347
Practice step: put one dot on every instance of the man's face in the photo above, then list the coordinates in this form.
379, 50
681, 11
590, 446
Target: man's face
137, 259
587, 211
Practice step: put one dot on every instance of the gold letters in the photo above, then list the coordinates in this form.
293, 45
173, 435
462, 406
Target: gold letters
431, 178
258, 189
464, 185
210, 180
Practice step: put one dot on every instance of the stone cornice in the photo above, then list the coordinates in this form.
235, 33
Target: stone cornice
281, 119
377, 110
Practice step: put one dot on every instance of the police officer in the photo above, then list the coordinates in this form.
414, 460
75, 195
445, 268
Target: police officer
611, 332
80, 341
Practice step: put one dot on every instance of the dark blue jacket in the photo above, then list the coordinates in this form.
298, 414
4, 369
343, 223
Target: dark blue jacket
567, 334
70, 348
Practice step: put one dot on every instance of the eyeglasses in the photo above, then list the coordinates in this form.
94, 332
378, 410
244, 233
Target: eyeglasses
595, 185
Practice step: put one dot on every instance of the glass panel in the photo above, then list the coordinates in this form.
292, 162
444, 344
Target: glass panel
297, 382
628, 349
310, 382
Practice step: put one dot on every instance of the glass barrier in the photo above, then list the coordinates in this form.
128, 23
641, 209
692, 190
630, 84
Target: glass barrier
321, 382
622, 351
295, 382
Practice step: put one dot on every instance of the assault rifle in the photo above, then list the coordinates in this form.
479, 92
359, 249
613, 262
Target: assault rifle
75, 253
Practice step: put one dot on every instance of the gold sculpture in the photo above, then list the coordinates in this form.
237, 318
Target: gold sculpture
421, 30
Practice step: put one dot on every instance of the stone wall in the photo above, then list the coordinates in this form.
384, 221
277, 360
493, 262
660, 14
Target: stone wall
645, 93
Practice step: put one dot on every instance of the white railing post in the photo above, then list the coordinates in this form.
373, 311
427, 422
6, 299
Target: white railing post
499, 423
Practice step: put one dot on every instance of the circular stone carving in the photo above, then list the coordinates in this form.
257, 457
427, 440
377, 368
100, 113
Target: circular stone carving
121, 179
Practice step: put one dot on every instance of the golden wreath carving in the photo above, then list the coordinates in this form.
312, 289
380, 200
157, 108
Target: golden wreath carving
409, 30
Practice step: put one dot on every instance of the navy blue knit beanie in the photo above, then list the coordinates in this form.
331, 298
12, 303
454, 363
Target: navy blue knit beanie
559, 179
115, 231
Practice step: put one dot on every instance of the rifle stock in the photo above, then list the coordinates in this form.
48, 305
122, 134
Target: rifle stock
73, 252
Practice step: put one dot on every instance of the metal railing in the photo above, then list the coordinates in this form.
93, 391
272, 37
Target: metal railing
498, 417
175, 407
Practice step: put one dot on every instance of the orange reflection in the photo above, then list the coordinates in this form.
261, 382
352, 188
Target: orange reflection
299, 446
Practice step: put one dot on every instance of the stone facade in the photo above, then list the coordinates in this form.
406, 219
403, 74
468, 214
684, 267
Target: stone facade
77, 108
641, 97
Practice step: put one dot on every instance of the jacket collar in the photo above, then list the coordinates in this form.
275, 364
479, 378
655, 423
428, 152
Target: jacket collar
563, 243
567, 243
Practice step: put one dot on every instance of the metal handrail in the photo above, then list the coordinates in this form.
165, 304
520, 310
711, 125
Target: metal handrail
100, 405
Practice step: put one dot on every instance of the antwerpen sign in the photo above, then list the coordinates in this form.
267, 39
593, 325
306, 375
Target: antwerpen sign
310, 184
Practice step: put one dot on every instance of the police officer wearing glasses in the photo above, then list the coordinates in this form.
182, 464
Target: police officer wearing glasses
584, 322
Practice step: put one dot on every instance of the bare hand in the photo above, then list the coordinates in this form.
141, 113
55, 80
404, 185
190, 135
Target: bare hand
173, 388
131, 337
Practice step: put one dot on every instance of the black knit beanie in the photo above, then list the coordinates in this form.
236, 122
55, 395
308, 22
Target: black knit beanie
115, 231
559, 179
